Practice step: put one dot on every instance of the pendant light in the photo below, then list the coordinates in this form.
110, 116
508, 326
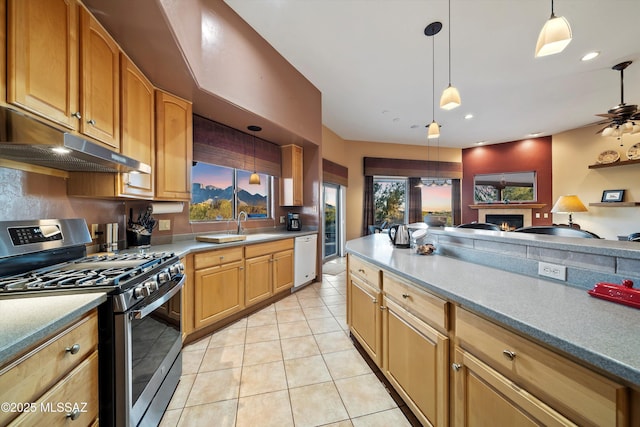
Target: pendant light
254, 179
430, 31
450, 98
554, 37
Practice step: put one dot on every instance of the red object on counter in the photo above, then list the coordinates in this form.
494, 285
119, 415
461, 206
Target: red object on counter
622, 294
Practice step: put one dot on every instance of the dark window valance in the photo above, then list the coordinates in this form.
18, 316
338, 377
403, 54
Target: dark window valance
334, 173
377, 166
222, 145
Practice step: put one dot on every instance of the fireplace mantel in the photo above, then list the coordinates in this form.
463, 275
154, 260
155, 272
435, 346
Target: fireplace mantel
509, 206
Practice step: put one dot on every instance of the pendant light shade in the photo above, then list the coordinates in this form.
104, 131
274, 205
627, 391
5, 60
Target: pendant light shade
434, 130
555, 35
450, 98
254, 179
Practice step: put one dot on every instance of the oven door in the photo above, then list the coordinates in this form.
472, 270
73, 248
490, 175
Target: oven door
151, 346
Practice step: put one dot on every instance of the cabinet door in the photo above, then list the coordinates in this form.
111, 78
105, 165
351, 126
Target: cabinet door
42, 64
174, 147
282, 271
219, 292
483, 397
138, 130
365, 318
100, 89
258, 279
416, 362
291, 181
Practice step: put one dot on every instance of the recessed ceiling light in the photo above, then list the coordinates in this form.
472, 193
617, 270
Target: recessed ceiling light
396, 119
60, 150
589, 56
468, 116
416, 126
481, 142
534, 134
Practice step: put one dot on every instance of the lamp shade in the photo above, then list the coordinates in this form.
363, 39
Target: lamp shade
450, 98
554, 37
434, 130
254, 179
568, 204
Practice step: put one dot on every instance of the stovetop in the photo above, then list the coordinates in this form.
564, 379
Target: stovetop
114, 272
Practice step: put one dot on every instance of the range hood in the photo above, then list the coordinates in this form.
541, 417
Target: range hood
27, 140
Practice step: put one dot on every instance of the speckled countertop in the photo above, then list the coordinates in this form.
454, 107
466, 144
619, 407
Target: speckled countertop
600, 333
27, 321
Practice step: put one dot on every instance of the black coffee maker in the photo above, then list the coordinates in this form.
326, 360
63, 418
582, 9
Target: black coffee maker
293, 222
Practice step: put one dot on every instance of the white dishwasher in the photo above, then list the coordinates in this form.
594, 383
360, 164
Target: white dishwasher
305, 259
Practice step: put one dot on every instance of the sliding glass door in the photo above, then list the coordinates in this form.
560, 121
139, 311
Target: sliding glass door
332, 214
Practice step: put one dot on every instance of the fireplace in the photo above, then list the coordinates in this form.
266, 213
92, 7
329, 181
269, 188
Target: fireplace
507, 222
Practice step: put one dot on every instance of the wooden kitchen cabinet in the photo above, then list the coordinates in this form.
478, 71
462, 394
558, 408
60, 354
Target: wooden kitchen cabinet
100, 82
43, 59
63, 368
501, 378
218, 285
269, 269
291, 179
137, 142
174, 147
415, 356
364, 294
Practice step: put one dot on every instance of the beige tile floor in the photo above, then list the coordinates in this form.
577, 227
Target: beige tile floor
290, 364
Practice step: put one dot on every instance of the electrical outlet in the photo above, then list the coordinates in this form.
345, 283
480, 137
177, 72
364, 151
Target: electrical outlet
282, 220
164, 225
94, 231
555, 271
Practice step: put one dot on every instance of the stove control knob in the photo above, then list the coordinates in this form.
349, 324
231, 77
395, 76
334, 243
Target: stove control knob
164, 277
177, 268
141, 291
152, 286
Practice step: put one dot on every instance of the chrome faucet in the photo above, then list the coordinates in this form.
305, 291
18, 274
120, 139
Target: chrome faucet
240, 214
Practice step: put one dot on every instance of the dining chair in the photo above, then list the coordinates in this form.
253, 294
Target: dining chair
562, 231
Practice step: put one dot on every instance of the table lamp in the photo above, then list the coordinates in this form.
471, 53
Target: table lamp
568, 204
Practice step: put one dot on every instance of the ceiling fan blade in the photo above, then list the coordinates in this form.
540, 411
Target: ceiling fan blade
607, 115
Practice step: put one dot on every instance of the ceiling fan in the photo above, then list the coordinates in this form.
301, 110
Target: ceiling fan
622, 118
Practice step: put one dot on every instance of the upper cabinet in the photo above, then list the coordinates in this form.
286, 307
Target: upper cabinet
42, 58
63, 67
138, 127
174, 147
291, 180
100, 88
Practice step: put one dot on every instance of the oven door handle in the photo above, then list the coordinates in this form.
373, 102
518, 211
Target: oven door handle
152, 306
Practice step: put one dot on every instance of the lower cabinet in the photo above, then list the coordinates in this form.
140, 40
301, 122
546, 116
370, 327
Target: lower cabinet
366, 319
63, 370
269, 270
218, 285
499, 375
415, 360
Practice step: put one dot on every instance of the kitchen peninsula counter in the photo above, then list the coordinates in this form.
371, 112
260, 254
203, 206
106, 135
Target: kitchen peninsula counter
562, 317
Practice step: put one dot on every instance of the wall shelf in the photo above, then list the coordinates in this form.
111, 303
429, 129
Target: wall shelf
615, 164
615, 204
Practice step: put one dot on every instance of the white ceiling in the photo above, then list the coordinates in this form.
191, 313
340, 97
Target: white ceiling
373, 64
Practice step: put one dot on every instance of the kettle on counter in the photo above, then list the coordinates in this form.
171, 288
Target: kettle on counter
399, 235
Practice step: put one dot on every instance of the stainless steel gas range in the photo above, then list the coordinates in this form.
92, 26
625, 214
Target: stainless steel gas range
139, 326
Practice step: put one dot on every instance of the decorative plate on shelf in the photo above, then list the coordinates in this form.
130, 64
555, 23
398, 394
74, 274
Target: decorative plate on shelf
633, 153
608, 156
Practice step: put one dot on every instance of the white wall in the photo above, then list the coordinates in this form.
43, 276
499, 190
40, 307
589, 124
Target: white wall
573, 152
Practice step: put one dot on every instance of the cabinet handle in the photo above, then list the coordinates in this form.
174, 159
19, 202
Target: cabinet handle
405, 295
74, 415
509, 354
360, 270
91, 122
73, 349
241, 268
77, 115
456, 367
221, 257
375, 301
383, 308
